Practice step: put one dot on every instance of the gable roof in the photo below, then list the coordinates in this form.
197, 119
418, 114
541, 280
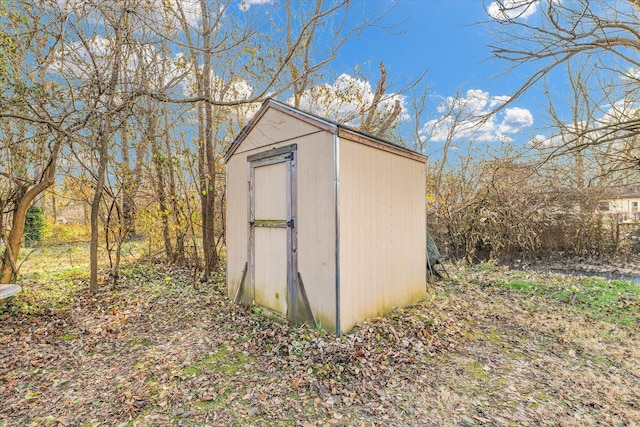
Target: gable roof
323, 123
629, 191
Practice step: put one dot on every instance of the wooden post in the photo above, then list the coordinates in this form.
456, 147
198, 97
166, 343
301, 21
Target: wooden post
305, 302
238, 295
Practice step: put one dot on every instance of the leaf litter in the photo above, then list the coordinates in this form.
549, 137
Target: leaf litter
163, 352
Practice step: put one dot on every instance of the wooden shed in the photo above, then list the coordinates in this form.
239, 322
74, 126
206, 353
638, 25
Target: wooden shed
325, 224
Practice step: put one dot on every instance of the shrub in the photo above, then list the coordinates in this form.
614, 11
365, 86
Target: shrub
34, 225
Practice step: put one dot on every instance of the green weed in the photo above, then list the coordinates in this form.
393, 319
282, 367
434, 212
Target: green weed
221, 361
613, 301
527, 286
68, 337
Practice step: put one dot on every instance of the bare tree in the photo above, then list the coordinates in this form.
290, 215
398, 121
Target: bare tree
226, 51
596, 42
73, 78
35, 123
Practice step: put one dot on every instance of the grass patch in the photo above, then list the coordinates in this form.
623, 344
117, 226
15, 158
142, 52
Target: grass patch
56, 290
613, 301
476, 371
223, 360
140, 341
522, 285
206, 405
68, 337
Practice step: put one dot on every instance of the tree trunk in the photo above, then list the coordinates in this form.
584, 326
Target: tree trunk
207, 158
128, 183
54, 207
160, 187
103, 152
179, 226
95, 207
9, 268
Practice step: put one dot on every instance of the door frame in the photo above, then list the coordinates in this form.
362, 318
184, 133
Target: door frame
286, 154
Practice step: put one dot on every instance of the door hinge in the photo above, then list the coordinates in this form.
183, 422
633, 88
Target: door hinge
291, 223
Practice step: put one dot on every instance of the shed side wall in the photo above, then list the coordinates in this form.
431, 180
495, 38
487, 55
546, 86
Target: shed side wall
316, 226
315, 201
382, 232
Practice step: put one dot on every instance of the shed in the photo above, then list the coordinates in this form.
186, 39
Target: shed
325, 224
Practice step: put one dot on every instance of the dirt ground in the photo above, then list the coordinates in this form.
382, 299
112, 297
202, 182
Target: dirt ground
158, 351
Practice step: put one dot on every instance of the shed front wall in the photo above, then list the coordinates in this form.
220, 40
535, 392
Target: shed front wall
382, 232
315, 225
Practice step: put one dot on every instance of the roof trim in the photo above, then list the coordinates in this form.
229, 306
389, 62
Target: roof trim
380, 144
619, 192
325, 124
272, 103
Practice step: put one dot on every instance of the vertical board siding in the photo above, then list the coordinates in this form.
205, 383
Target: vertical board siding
315, 217
316, 226
382, 232
270, 258
270, 192
237, 220
270, 246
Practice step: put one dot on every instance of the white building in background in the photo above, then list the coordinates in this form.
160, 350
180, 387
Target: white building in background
623, 200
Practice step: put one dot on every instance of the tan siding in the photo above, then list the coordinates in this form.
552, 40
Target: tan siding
382, 232
237, 221
316, 225
624, 206
275, 129
271, 268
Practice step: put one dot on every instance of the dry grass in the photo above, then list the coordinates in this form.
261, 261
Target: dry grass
488, 347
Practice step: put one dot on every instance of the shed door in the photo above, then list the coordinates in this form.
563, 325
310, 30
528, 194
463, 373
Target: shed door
272, 243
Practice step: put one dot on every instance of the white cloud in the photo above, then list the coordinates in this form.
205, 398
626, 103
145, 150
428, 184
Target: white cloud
505, 10
190, 8
227, 91
221, 90
515, 119
142, 63
347, 99
167, 12
471, 117
542, 141
246, 4
580, 132
632, 73
539, 140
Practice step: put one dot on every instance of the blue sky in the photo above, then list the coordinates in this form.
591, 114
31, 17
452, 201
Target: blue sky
439, 36
447, 38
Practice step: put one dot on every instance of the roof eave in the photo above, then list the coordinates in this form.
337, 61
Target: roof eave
328, 125
272, 103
